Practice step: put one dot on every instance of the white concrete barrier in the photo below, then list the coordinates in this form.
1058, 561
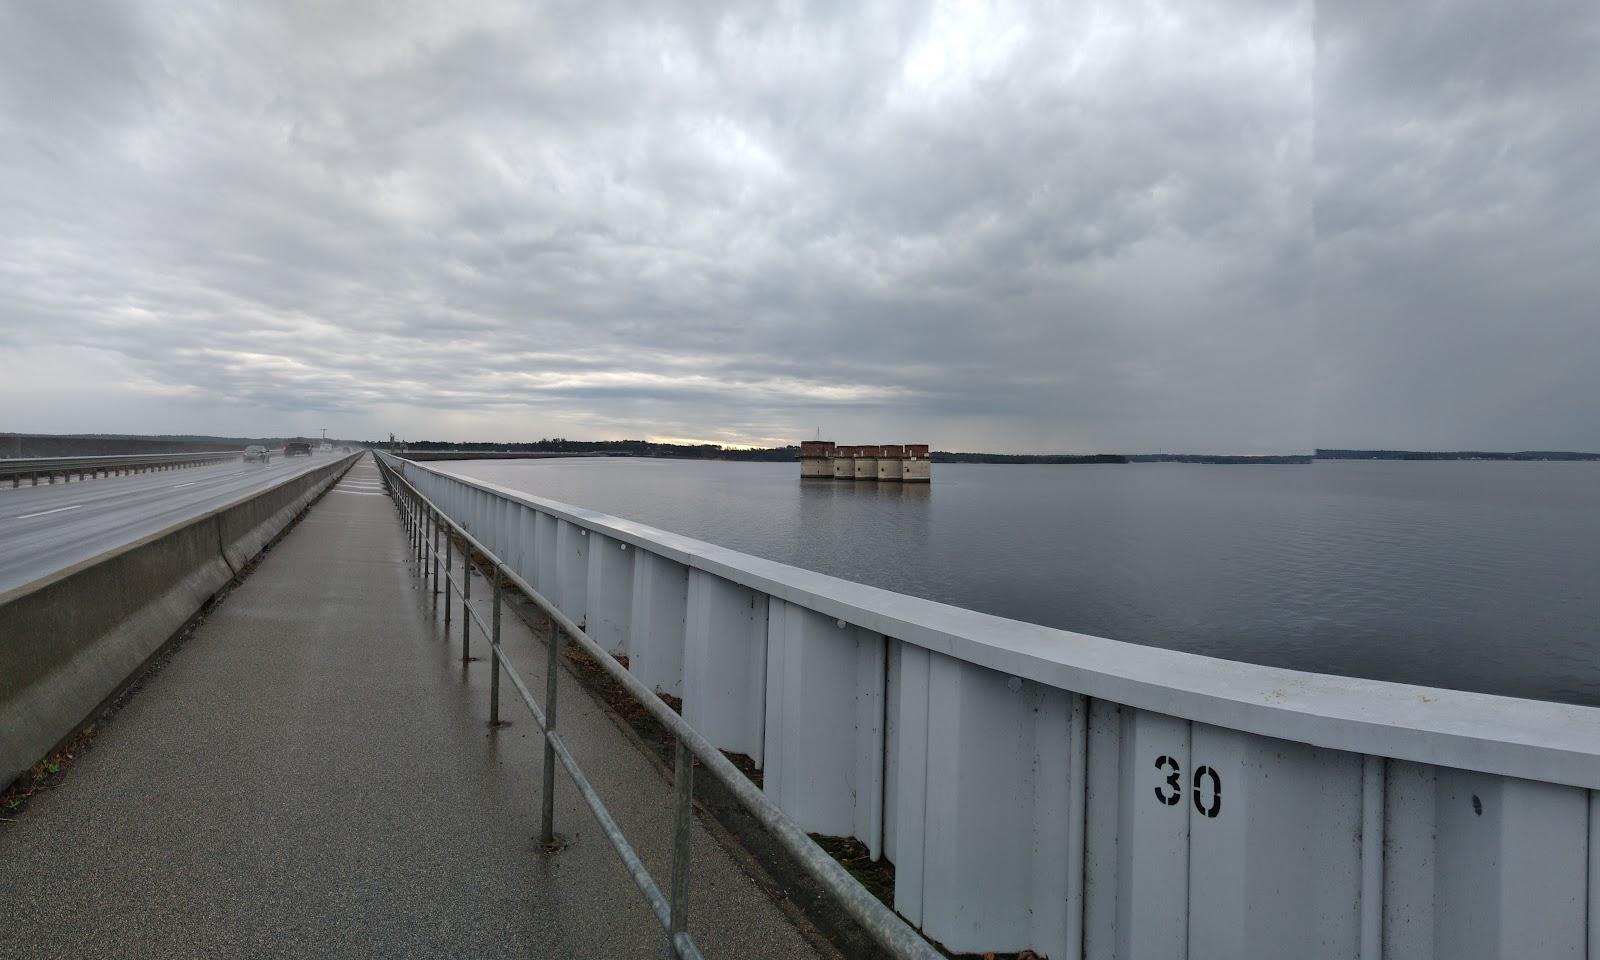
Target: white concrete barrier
1082, 797
71, 639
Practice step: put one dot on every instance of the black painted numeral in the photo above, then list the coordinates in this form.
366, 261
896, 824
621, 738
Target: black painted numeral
1206, 785
1173, 781
1215, 806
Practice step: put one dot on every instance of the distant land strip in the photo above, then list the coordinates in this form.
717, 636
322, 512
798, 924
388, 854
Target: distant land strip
40, 445
1454, 455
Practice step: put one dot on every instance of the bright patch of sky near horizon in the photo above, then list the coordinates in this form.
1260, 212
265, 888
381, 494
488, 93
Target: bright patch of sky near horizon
1235, 225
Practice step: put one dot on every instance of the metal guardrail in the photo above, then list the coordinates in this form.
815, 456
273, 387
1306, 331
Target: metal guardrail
1084, 797
425, 524
86, 467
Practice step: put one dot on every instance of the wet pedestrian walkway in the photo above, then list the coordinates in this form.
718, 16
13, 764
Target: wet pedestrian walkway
312, 775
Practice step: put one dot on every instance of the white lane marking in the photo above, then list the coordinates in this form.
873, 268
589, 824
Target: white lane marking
46, 513
359, 493
188, 483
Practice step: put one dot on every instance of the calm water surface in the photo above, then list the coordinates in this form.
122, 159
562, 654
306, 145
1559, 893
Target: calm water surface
1474, 575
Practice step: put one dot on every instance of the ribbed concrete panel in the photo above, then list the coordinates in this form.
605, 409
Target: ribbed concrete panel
502, 529
894, 703
546, 554
1004, 871
1478, 866
1137, 844
725, 664
528, 543
609, 595
824, 730
1410, 860
655, 635
906, 792
1594, 875
1275, 847
1511, 868
571, 569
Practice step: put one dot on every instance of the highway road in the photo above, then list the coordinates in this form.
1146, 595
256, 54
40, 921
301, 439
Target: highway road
46, 528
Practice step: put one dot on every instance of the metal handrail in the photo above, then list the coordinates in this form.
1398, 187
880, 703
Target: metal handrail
424, 521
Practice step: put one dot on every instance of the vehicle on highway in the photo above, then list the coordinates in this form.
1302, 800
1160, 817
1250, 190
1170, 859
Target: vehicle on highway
255, 452
297, 448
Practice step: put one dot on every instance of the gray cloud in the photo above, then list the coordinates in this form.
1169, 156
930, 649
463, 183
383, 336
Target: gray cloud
1457, 223
1037, 227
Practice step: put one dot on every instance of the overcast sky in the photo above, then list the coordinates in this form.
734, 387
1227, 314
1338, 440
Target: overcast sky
1236, 225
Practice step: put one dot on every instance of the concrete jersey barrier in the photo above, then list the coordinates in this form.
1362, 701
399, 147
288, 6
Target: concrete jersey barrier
71, 639
1081, 797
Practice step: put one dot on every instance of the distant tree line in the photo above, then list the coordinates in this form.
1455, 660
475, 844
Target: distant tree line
1218, 458
1453, 455
620, 448
946, 456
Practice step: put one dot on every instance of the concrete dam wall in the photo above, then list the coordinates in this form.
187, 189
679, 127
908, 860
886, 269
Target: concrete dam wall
1081, 797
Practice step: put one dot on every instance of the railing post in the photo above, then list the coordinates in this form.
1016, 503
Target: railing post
449, 549
494, 656
433, 519
552, 667
682, 800
466, 594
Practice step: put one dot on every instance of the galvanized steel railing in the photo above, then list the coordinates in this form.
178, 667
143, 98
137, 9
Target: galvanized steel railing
1083, 797
426, 525
84, 467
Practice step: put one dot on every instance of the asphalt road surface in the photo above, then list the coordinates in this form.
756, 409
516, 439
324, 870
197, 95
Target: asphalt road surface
46, 528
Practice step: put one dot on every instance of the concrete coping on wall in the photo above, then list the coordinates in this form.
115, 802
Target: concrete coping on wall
1509, 736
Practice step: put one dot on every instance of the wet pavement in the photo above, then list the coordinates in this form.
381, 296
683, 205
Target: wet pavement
311, 774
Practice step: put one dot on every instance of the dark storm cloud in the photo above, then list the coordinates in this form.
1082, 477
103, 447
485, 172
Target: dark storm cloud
1457, 222
1082, 226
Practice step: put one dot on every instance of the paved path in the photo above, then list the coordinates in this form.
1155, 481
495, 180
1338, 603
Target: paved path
311, 775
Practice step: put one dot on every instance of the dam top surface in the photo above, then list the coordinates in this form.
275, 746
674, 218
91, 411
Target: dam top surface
1516, 737
311, 774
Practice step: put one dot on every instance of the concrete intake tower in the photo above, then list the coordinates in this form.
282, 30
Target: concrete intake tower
892, 463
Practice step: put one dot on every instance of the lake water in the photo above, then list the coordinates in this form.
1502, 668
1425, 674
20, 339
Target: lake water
1473, 575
